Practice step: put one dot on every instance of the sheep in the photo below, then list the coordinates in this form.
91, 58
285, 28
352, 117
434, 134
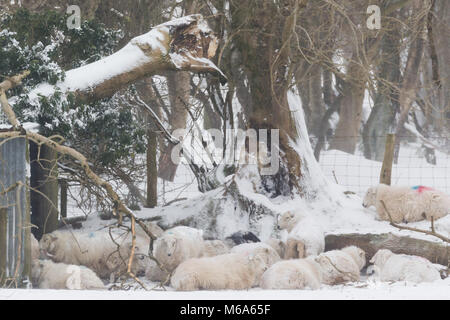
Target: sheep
341, 266
95, 250
46, 274
35, 251
293, 274
400, 267
260, 248
214, 248
278, 245
234, 271
305, 236
211, 248
406, 204
178, 244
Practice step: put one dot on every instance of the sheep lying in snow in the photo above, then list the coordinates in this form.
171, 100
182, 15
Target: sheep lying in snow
214, 248
258, 248
407, 204
293, 274
177, 245
95, 250
400, 267
332, 267
340, 266
211, 248
234, 271
46, 274
35, 251
305, 237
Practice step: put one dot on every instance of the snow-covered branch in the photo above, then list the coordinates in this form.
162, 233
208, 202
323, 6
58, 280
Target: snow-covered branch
185, 44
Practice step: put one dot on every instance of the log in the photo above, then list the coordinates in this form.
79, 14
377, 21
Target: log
436, 252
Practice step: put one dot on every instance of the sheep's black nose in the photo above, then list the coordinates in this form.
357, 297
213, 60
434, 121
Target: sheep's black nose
279, 228
169, 254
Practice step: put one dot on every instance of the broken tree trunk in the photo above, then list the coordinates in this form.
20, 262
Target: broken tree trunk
184, 44
436, 252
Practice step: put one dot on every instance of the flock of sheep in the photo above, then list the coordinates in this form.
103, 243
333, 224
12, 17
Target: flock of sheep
66, 260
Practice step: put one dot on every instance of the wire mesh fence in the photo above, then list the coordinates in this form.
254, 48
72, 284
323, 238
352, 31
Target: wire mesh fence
413, 167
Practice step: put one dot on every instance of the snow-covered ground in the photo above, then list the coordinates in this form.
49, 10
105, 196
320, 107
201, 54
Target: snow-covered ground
362, 291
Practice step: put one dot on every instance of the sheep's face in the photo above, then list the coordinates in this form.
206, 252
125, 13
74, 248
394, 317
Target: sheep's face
259, 263
370, 197
286, 220
36, 270
48, 245
165, 248
380, 258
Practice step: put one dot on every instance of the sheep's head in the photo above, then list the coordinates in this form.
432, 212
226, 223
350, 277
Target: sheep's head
287, 220
370, 197
259, 263
36, 270
358, 255
165, 251
380, 258
48, 245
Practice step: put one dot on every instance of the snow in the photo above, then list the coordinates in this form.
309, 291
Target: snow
356, 291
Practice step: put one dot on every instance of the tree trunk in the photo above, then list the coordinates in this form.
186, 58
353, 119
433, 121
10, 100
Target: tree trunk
265, 58
350, 110
434, 251
179, 95
409, 85
44, 179
152, 170
382, 118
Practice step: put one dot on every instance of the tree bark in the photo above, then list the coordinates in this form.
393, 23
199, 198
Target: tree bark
409, 85
436, 252
382, 118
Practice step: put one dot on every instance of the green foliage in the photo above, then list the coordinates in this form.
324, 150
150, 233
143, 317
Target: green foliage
41, 43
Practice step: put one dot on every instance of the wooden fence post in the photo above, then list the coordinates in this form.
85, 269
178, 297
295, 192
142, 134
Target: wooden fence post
386, 169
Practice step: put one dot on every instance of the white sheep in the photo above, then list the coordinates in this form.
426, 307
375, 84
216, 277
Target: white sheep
407, 204
214, 248
293, 274
35, 251
341, 266
234, 271
305, 237
400, 267
255, 248
95, 250
46, 274
177, 245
